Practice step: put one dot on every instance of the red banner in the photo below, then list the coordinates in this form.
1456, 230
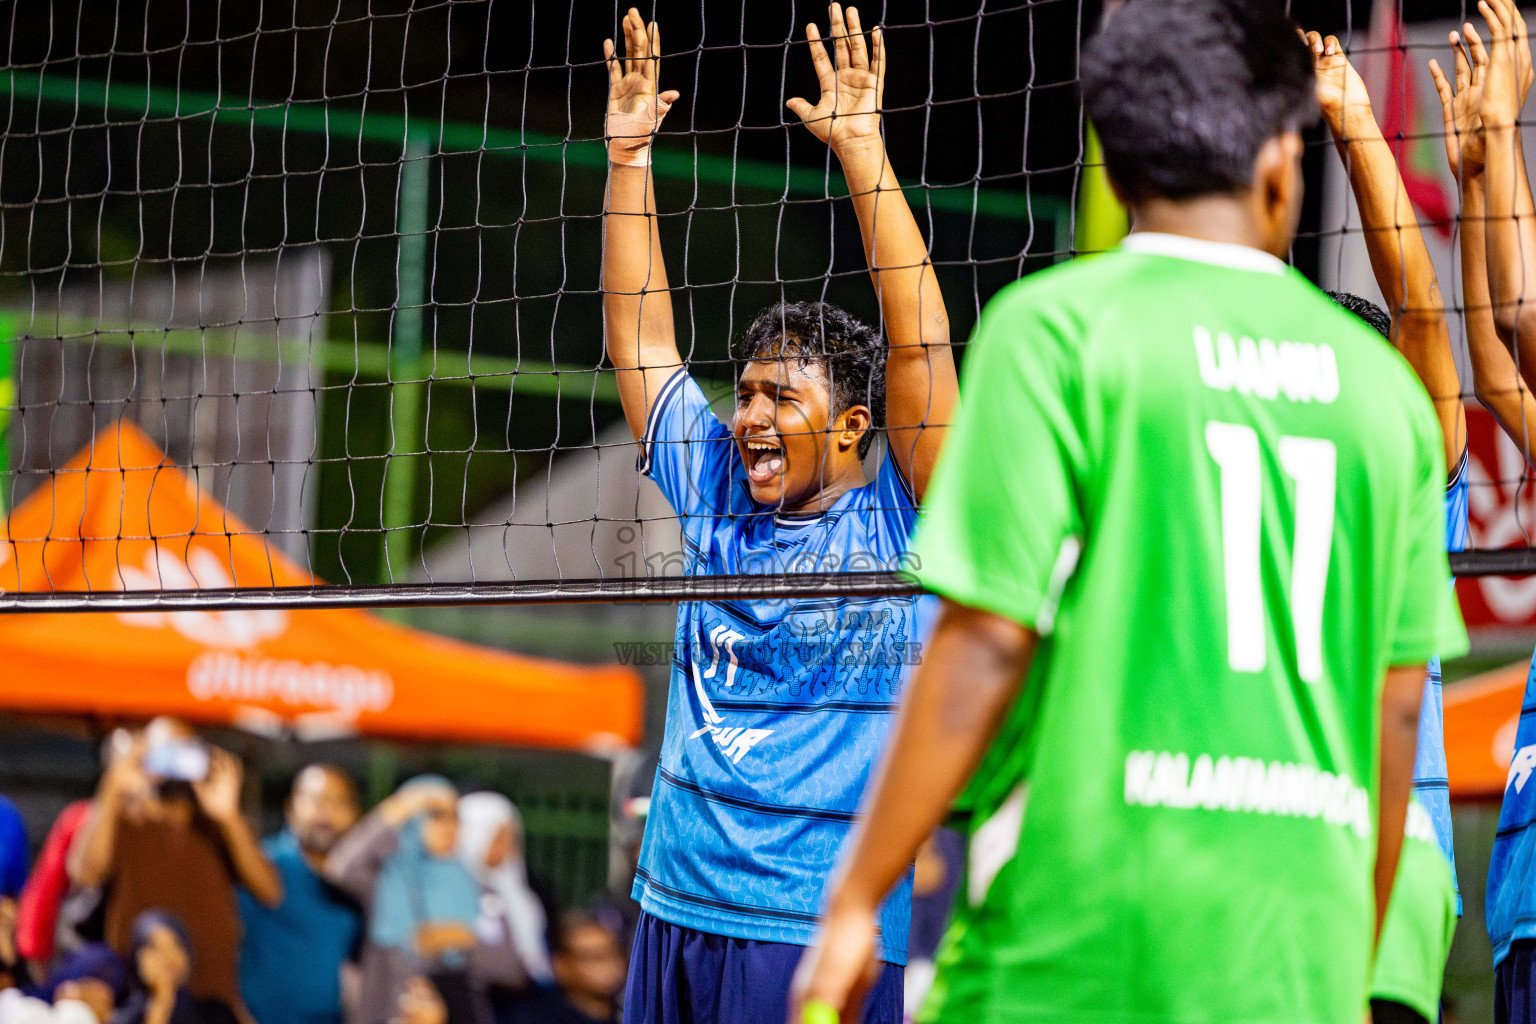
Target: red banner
1502, 509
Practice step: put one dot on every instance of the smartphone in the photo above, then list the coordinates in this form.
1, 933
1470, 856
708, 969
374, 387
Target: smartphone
178, 760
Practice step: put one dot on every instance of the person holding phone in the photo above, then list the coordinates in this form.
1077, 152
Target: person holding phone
166, 832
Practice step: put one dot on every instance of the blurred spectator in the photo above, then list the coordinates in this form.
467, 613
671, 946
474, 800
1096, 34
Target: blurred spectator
401, 863
37, 915
14, 855
167, 833
83, 990
91, 975
163, 960
513, 927
292, 954
589, 969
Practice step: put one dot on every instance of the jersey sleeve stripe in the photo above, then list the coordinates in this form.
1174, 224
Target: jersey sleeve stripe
1458, 474
671, 387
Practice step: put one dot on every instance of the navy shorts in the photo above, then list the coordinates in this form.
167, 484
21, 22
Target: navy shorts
1514, 984
681, 976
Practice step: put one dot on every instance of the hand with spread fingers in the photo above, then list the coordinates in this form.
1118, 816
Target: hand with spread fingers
847, 116
1509, 64
1461, 103
1495, 377
1510, 217
635, 108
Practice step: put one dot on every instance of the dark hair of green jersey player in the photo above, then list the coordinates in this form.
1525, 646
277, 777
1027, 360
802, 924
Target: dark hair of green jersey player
1199, 105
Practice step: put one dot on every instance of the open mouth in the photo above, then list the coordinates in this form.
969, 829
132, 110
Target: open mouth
764, 459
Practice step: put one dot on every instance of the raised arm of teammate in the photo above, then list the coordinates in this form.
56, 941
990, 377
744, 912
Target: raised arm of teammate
637, 307
1510, 221
920, 382
1399, 257
1495, 379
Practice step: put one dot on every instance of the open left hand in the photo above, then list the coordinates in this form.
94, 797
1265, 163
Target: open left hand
847, 117
635, 108
839, 967
219, 793
1340, 89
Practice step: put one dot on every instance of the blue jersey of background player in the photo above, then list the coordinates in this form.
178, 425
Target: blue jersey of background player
1430, 782
777, 709
1511, 900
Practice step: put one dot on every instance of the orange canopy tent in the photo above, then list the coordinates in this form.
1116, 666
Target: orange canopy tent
120, 516
1481, 715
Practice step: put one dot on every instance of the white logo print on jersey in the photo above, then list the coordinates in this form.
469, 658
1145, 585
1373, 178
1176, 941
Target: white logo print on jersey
1520, 767
723, 638
1301, 371
734, 741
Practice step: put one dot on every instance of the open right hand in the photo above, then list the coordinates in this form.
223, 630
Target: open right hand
414, 799
635, 109
1509, 64
1462, 105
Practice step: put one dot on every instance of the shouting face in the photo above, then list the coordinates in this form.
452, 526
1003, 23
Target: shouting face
799, 456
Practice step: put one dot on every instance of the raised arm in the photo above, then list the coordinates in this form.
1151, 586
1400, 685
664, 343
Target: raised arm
1494, 378
1511, 214
92, 856
921, 387
1399, 257
219, 797
637, 307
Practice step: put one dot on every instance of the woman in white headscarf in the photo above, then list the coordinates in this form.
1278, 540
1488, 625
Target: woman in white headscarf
513, 956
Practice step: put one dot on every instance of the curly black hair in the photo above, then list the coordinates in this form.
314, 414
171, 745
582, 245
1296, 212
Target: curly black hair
847, 349
1374, 316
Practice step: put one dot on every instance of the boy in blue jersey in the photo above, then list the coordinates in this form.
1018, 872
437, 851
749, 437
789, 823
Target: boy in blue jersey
777, 709
1481, 115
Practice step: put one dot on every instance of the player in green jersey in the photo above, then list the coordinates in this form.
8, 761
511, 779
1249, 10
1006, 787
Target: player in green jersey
1189, 531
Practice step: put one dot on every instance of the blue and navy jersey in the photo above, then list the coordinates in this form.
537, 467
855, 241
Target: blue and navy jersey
1430, 782
1510, 907
777, 710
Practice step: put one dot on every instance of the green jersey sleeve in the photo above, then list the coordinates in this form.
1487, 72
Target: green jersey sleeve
1001, 526
1428, 619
